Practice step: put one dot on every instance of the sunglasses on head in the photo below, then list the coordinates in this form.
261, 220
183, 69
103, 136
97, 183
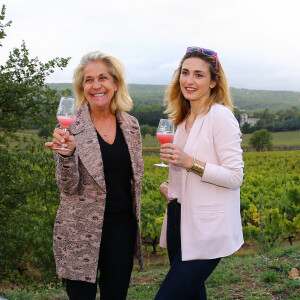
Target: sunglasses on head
207, 52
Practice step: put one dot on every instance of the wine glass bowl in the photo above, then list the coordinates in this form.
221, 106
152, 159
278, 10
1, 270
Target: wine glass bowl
165, 134
66, 115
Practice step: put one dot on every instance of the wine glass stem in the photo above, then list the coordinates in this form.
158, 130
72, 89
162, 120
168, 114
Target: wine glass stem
64, 145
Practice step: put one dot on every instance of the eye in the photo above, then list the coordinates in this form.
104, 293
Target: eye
103, 78
88, 80
184, 72
199, 75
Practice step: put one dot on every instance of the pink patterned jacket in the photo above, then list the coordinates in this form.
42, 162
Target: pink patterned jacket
80, 178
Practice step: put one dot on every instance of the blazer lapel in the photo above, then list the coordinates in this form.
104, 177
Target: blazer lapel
87, 145
195, 131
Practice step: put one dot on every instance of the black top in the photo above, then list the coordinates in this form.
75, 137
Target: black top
118, 175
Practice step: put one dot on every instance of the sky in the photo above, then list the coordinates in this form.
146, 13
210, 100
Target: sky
257, 41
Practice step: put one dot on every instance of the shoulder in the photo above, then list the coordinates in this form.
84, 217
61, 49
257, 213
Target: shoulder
128, 119
223, 120
218, 109
221, 112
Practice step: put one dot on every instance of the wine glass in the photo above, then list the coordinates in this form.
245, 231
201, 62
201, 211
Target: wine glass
165, 134
66, 115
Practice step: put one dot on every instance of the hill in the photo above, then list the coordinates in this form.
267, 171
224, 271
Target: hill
244, 99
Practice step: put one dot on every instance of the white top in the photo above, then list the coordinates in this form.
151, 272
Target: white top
175, 173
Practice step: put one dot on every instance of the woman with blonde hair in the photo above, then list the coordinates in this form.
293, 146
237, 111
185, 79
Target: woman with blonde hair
203, 222
97, 225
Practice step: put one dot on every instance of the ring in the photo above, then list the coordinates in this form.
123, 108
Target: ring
171, 151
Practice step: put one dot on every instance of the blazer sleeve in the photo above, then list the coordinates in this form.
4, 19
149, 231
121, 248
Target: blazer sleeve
227, 142
67, 174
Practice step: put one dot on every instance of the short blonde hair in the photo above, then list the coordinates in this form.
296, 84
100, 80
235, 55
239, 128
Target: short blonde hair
121, 100
178, 107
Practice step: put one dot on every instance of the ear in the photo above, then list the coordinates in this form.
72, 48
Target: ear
116, 86
213, 83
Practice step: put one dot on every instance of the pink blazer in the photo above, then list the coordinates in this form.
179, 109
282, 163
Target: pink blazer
210, 210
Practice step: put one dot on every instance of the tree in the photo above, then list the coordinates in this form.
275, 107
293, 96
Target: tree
261, 139
28, 191
246, 128
145, 129
23, 92
237, 114
3, 26
153, 131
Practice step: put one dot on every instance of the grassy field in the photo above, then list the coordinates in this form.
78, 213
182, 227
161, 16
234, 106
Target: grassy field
245, 275
288, 138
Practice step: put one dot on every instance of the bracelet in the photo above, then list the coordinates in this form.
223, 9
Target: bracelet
196, 169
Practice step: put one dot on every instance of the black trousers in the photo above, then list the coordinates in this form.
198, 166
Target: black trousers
115, 264
185, 279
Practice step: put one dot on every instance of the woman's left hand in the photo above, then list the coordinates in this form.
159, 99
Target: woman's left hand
174, 155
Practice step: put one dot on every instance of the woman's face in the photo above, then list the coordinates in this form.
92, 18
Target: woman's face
98, 85
195, 79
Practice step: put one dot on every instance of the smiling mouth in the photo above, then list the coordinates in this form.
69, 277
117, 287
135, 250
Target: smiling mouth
98, 95
190, 89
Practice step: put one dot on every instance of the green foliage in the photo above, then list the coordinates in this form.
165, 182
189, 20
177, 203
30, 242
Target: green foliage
239, 276
289, 138
146, 129
243, 99
270, 198
269, 276
3, 26
149, 115
23, 93
29, 199
153, 204
253, 100
148, 107
28, 192
261, 139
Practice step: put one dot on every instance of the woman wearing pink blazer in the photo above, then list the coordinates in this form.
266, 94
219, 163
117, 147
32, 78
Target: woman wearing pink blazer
203, 222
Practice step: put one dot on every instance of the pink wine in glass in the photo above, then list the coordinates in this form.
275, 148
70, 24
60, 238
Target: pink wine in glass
65, 121
164, 134
66, 115
165, 138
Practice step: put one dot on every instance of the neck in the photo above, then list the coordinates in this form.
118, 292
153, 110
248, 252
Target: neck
196, 109
97, 114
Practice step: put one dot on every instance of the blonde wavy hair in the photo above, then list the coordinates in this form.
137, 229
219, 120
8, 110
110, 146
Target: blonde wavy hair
178, 107
121, 100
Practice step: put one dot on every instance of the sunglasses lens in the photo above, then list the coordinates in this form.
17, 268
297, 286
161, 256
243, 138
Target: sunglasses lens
191, 49
208, 52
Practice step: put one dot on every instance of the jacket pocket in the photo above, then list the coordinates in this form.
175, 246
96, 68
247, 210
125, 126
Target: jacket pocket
209, 210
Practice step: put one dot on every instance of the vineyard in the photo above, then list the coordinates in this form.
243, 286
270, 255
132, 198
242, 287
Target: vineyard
270, 198
270, 207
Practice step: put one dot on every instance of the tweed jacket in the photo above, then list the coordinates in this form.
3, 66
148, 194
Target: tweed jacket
80, 178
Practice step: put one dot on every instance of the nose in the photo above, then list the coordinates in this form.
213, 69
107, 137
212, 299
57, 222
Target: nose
96, 84
190, 79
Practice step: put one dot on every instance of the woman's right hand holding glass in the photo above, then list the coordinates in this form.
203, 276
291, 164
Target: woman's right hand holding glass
59, 138
173, 154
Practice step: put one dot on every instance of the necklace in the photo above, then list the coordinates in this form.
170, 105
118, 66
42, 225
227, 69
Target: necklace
105, 132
